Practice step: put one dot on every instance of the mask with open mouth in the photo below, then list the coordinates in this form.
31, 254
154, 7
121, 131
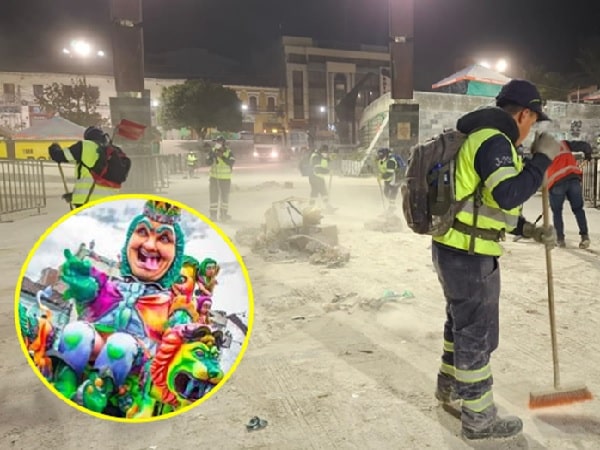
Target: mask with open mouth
155, 244
151, 250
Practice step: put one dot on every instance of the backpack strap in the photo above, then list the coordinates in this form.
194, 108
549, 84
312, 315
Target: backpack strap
472, 230
87, 199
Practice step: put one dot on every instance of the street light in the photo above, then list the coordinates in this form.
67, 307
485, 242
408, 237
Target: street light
82, 49
500, 66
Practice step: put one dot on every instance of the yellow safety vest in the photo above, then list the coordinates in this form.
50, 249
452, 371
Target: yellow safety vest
490, 215
191, 159
323, 164
383, 169
219, 169
83, 185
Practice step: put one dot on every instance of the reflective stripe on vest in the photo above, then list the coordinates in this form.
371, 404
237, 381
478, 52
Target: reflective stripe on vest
563, 165
490, 215
323, 164
81, 190
383, 169
219, 169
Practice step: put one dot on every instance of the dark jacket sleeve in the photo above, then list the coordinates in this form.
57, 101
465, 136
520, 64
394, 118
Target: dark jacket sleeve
514, 191
57, 154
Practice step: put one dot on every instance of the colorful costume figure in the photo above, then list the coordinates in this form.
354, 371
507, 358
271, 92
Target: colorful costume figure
38, 332
186, 367
204, 306
121, 322
183, 308
188, 304
207, 276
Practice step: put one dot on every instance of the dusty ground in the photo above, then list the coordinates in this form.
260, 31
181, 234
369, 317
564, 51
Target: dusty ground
328, 365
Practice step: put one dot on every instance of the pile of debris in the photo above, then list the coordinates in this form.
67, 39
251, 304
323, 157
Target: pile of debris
293, 229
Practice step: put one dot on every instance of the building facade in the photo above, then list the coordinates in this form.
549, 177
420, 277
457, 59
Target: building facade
319, 74
19, 108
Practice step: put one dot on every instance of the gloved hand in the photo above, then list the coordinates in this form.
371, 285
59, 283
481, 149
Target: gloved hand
543, 235
545, 144
76, 274
68, 197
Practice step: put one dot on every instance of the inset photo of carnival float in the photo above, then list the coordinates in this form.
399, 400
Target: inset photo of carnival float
134, 309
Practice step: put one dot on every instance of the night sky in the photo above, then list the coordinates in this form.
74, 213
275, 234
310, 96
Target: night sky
523, 31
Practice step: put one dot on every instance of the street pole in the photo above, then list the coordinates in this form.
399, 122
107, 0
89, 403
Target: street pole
404, 111
132, 101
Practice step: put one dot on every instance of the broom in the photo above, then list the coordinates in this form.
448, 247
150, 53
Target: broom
558, 395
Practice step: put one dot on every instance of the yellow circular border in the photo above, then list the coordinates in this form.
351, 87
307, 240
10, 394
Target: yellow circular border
193, 212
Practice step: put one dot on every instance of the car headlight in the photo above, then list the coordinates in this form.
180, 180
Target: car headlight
255, 154
274, 154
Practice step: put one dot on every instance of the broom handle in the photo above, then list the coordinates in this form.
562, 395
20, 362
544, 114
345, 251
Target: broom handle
546, 214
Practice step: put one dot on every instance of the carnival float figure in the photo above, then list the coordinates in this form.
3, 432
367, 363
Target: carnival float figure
207, 276
185, 368
38, 332
121, 321
190, 304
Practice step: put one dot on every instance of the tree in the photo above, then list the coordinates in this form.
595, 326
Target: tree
552, 85
200, 105
76, 102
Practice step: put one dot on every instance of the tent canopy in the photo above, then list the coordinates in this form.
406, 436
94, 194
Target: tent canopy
594, 96
55, 128
474, 80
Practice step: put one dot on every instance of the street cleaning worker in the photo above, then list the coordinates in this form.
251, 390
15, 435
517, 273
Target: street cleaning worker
471, 280
318, 171
84, 154
564, 182
191, 161
221, 161
388, 173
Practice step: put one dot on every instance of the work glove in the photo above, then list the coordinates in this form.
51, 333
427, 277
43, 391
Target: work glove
545, 144
543, 235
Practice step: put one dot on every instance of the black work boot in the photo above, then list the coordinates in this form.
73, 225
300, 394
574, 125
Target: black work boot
585, 241
560, 242
446, 392
501, 427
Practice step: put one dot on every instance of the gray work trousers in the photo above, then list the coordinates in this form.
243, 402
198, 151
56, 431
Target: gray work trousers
471, 285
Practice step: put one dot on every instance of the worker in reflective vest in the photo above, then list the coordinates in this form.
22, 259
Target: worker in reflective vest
466, 257
564, 182
83, 154
221, 161
318, 171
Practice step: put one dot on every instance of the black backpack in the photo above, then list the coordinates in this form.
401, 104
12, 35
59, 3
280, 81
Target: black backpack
428, 192
304, 165
112, 167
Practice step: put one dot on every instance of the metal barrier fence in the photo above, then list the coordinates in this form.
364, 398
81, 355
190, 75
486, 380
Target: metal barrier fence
148, 174
21, 186
591, 189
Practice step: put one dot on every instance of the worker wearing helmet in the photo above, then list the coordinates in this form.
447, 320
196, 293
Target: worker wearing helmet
84, 154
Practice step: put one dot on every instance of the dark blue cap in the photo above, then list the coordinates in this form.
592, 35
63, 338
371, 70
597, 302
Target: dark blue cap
522, 93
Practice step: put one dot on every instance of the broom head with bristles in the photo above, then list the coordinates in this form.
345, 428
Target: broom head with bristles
559, 396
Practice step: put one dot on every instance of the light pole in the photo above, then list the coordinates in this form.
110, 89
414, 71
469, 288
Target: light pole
404, 111
132, 101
